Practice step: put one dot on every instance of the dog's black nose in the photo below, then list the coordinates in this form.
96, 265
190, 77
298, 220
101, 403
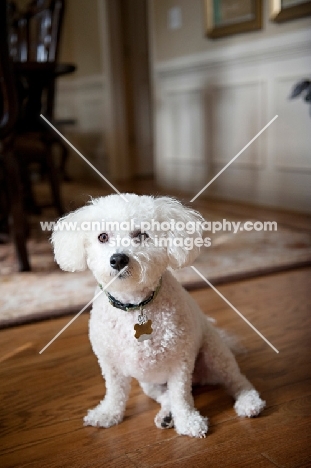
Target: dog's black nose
119, 261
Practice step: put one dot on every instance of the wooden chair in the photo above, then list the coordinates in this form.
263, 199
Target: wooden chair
14, 208
34, 43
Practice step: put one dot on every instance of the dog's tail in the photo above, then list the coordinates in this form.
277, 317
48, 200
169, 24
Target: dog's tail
231, 340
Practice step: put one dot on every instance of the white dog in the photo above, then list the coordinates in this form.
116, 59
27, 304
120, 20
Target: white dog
144, 324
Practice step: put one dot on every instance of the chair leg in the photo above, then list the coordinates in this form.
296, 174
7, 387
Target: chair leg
28, 195
17, 215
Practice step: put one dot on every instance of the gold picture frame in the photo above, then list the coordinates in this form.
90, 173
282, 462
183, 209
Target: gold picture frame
285, 10
224, 17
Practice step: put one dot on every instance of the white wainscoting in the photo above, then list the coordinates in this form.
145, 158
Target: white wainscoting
209, 106
83, 99
183, 137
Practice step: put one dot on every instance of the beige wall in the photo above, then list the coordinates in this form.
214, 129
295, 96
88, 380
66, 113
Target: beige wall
80, 43
191, 39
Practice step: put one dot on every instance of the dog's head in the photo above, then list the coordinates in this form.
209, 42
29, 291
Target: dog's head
140, 238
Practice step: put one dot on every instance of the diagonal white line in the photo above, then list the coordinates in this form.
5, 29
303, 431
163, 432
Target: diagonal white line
82, 310
235, 309
83, 157
233, 159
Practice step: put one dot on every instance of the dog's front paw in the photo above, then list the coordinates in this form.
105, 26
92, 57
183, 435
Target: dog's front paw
191, 424
164, 420
249, 404
98, 418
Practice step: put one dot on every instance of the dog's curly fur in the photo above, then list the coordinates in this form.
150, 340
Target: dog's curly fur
184, 346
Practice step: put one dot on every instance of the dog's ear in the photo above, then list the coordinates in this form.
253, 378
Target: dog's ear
68, 241
185, 233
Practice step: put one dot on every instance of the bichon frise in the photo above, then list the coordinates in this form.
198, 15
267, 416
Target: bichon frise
144, 324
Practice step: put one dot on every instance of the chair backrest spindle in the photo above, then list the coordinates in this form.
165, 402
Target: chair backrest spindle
8, 94
34, 33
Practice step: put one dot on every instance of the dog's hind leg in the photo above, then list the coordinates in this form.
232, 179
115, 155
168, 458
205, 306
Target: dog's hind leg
159, 393
222, 368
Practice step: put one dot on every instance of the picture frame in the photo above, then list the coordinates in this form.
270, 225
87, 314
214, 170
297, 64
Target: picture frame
285, 10
224, 17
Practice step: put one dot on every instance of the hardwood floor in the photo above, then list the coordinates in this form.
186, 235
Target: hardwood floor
44, 397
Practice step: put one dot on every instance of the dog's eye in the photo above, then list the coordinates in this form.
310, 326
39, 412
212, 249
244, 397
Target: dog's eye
103, 237
142, 236
139, 236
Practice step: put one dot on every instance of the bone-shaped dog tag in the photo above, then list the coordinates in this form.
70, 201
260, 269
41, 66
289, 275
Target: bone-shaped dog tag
143, 329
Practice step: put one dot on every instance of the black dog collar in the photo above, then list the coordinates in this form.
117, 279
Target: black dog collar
128, 307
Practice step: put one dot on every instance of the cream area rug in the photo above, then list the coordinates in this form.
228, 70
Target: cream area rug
47, 292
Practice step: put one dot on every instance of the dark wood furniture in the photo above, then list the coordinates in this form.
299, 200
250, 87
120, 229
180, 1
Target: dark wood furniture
29, 68
34, 43
13, 207
35, 140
